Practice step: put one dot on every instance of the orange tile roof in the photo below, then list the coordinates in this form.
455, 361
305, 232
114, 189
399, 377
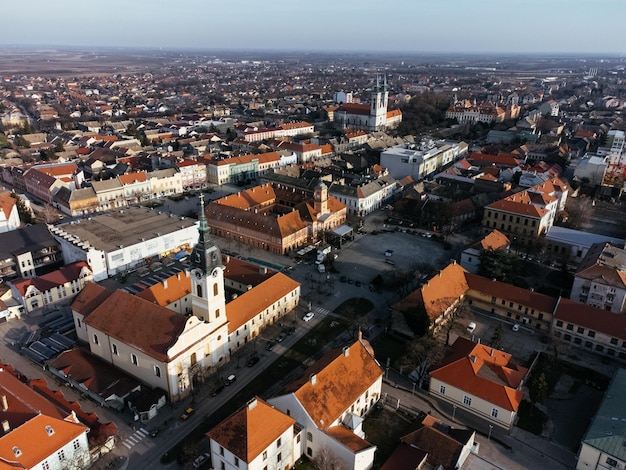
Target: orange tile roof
7, 203
59, 170
249, 304
178, 286
339, 380
440, 292
136, 177
290, 223
251, 430
348, 438
483, 372
35, 442
495, 240
526, 210
249, 198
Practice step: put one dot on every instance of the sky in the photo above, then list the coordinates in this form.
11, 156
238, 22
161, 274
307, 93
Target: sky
419, 26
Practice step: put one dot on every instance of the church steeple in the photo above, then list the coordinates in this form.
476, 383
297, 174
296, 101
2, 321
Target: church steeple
207, 276
206, 255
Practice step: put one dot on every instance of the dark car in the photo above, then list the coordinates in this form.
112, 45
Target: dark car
280, 338
269, 345
291, 330
217, 390
253, 360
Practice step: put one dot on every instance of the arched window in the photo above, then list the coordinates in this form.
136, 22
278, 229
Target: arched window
215, 289
199, 290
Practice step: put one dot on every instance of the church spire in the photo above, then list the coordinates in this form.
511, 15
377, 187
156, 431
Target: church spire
203, 226
206, 255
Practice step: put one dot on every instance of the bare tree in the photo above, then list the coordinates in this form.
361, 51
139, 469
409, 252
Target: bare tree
326, 460
422, 353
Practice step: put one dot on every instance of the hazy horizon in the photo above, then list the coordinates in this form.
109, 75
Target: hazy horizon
548, 27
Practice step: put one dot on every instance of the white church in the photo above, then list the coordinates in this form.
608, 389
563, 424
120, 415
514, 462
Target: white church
370, 117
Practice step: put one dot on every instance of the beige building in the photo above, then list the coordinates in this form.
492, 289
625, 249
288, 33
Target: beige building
57, 287
152, 337
480, 380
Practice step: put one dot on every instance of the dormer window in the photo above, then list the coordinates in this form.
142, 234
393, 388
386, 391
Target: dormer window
16, 451
49, 430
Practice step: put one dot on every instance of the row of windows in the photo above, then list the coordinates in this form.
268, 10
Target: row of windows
467, 401
590, 345
133, 357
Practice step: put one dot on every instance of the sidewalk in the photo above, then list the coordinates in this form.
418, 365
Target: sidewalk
516, 449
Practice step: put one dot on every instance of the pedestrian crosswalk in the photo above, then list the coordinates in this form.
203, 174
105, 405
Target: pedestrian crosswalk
134, 438
322, 311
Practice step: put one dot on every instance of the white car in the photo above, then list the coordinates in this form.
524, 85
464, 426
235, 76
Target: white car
471, 327
201, 460
308, 317
515, 327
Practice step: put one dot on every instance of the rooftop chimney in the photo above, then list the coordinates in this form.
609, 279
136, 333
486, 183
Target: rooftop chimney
5, 426
346, 350
313, 379
252, 404
5, 403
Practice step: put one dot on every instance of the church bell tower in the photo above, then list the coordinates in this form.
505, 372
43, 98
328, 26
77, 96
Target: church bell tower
208, 300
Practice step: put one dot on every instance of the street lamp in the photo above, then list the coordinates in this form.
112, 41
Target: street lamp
490, 428
453, 412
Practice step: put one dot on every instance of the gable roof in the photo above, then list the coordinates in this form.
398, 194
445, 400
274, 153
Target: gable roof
251, 430
596, 319
340, 377
242, 309
483, 372
45, 282
7, 203
494, 240
438, 294
131, 320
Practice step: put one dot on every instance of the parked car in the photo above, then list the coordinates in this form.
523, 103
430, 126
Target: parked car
201, 460
309, 316
515, 327
187, 413
253, 360
217, 390
230, 379
269, 345
280, 338
471, 327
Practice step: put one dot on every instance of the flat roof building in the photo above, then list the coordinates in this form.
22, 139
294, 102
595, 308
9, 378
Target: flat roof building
124, 240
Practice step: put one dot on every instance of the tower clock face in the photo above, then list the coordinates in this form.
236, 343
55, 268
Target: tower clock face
214, 273
198, 274
196, 257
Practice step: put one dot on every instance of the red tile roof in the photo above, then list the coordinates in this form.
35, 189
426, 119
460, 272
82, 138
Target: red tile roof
141, 324
592, 318
49, 281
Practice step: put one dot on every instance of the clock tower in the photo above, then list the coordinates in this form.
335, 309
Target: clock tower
207, 276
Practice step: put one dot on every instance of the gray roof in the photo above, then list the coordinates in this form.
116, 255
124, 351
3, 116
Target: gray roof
125, 227
607, 431
30, 238
578, 237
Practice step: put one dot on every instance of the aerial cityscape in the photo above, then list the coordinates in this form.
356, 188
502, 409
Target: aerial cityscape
280, 240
